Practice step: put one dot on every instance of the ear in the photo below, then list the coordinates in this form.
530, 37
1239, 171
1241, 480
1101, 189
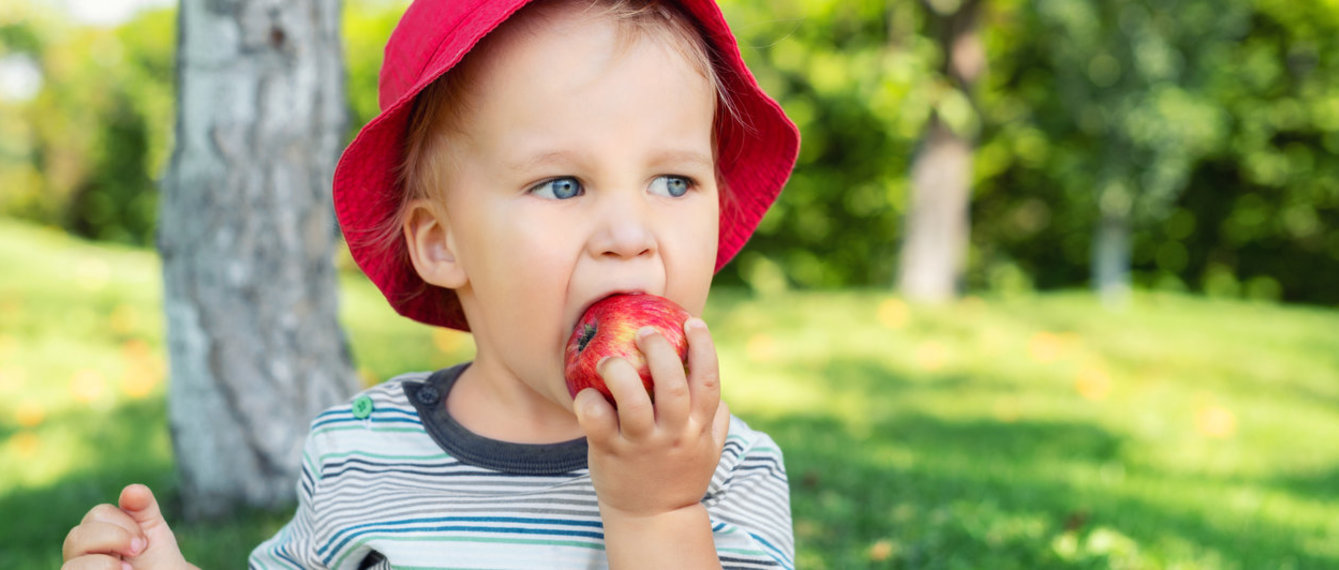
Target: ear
427, 233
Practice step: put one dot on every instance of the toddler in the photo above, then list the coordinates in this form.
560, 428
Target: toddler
529, 160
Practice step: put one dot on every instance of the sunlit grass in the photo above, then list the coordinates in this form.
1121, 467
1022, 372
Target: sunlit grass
1018, 432
1047, 431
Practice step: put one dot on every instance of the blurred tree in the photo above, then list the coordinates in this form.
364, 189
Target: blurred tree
861, 105
247, 239
1127, 110
1259, 219
934, 246
84, 149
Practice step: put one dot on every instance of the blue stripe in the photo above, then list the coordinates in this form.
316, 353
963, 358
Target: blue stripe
448, 467
732, 563
782, 555
348, 470
374, 418
437, 521
768, 463
286, 558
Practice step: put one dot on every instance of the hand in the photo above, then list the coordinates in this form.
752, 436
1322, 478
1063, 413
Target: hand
650, 459
133, 536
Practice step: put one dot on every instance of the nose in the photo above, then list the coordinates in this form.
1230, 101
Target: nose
624, 230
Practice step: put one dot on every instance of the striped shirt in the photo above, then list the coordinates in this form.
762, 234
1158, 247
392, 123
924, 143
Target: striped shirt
390, 480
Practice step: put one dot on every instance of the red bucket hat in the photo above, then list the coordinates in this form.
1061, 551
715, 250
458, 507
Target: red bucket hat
756, 150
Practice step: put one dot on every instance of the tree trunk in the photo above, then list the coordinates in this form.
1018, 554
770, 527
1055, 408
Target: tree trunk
937, 218
247, 238
937, 227
1111, 245
1111, 261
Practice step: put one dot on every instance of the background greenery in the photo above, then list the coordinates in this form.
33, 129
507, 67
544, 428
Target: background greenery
1214, 122
1000, 432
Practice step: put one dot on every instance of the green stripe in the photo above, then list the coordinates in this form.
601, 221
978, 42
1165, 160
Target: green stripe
743, 551
492, 540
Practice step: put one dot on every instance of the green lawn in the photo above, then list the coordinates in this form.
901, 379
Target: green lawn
1020, 432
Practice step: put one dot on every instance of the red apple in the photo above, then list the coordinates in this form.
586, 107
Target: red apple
609, 328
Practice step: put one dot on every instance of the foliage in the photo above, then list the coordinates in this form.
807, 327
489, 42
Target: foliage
1212, 123
1023, 432
366, 25
85, 150
1205, 122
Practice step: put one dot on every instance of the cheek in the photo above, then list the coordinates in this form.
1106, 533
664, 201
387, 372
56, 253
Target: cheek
691, 279
709, 232
532, 264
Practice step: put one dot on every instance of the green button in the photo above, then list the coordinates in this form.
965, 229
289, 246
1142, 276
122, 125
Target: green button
362, 407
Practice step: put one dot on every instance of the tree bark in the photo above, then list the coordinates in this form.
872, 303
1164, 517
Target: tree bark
247, 237
937, 227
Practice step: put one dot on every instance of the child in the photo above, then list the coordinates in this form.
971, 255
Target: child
530, 160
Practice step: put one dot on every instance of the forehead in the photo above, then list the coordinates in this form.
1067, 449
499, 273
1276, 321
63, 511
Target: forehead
567, 58
541, 27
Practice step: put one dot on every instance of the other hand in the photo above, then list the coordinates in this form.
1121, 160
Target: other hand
131, 536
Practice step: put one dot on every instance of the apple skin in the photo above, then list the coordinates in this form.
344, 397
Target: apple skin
609, 328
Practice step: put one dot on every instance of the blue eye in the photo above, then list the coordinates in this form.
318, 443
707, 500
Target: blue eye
558, 188
672, 186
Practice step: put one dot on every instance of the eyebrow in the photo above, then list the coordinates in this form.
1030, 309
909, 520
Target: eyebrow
695, 158
538, 161
563, 158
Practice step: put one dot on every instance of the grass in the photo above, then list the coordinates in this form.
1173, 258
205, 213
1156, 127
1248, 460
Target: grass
1021, 432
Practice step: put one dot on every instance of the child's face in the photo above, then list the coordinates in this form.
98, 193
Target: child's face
581, 168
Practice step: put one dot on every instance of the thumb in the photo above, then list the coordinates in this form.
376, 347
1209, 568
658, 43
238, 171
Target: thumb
138, 502
720, 425
162, 551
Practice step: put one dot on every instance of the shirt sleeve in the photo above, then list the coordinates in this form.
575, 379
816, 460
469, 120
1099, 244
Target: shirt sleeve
749, 503
294, 545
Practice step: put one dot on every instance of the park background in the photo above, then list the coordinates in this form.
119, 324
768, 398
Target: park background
1027, 423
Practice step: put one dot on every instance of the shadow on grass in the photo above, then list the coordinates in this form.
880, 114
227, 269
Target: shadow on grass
921, 492
116, 447
1321, 484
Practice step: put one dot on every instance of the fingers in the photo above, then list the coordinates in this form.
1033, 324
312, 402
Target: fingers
679, 396
636, 416
96, 562
670, 386
595, 416
704, 373
104, 530
101, 538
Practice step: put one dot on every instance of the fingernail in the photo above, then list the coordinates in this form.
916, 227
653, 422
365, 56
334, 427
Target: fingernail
126, 566
136, 546
645, 332
694, 323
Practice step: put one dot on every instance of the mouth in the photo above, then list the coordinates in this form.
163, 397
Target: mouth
586, 307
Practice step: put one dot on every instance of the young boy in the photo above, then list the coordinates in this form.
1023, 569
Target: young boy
530, 160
